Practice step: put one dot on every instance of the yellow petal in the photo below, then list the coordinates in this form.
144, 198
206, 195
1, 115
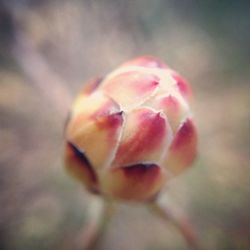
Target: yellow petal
87, 109
98, 138
88, 88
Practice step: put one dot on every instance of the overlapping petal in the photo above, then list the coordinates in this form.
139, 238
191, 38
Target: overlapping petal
174, 110
99, 138
145, 137
183, 148
182, 84
131, 131
96, 129
135, 182
78, 165
130, 89
87, 109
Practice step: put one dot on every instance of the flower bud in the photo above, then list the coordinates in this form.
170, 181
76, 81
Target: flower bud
132, 131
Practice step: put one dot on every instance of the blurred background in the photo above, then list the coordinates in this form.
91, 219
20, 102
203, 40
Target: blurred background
48, 49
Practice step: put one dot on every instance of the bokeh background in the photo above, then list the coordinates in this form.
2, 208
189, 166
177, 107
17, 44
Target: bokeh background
48, 49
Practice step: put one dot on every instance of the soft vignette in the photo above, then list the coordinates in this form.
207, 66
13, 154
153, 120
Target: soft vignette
211, 192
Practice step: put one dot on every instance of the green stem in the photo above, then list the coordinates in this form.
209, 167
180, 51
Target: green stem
181, 223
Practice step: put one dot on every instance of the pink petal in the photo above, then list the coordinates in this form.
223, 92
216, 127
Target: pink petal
172, 108
146, 61
131, 88
183, 149
144, 139
78, 165
183, 86
140, 182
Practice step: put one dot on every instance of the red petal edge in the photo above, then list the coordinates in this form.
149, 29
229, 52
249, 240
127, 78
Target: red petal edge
78, 164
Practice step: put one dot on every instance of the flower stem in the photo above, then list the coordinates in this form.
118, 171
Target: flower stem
181, 223
94, 232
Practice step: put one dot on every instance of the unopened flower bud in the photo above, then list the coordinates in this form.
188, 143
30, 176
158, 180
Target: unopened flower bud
132, 131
